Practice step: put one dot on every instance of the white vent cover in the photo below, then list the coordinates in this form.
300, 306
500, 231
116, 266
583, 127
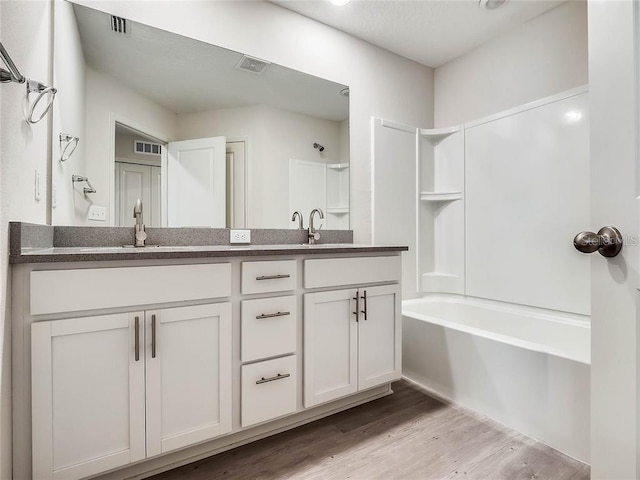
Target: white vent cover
252, 64
147, 148
119, 25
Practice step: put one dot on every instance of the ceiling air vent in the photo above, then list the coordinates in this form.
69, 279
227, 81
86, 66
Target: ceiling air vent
252, 64
147, 148
118, 25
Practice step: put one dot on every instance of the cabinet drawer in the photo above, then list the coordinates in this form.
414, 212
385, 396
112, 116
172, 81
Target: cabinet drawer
269, 390
331, 272
269, 327
54, 291
270, 276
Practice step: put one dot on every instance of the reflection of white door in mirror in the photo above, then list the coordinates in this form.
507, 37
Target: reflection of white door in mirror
196, 183
135, 181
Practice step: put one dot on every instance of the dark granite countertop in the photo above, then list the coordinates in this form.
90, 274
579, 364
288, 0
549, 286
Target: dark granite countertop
92, 254
31, 243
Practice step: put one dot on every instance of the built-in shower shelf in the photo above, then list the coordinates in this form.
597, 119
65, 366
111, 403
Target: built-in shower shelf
338, 210
436, 135
440, 196
442, 282
337, 166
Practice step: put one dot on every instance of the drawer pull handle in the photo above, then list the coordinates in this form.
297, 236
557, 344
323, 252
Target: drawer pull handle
271, 379
271, 315
273, 277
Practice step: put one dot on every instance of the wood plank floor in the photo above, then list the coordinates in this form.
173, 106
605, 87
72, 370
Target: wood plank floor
407, 435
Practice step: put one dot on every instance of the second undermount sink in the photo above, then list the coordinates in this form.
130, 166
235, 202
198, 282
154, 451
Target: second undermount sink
325, 245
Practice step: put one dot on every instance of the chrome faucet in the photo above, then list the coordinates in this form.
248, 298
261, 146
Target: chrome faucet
141, 235
300, 221
313, 233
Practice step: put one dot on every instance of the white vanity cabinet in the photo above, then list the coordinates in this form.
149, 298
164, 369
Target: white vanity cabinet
122, 368
110, 390
351, 336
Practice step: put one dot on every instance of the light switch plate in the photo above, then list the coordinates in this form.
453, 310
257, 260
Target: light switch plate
240, 236
97, 213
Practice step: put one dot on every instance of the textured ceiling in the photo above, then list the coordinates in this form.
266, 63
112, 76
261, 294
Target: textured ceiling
430, 32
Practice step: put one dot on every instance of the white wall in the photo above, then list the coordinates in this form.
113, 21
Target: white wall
68, 117
381, 83
107, 100
274, 137
25, 28
543, 57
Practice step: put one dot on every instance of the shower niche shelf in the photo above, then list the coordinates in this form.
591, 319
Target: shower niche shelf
441, 210
337, 195
440, 196
436, 135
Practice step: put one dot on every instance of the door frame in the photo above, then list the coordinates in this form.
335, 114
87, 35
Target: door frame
246, 180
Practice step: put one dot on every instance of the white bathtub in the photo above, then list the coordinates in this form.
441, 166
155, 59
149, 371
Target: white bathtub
523, 367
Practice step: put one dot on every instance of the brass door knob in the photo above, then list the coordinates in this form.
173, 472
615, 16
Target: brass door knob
608, 242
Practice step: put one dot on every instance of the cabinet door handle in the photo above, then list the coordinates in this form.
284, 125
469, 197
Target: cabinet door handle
271, 379
364, 297
137, 338
357, 299
273, 277
153, 336
271, 315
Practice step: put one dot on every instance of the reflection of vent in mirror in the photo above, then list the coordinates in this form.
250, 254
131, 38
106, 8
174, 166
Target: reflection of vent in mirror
118, 25
147, 148
252, 64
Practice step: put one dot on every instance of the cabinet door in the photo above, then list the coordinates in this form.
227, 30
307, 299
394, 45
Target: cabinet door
188, 359
87, 395
379, 336
330, 346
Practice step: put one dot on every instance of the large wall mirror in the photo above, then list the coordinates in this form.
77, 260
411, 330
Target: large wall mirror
205, 136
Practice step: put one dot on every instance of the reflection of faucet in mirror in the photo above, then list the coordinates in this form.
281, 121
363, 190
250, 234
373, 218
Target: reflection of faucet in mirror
141, 235
313, 234
300, 221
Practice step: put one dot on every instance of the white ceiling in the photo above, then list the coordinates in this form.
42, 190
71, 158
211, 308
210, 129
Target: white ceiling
188, 76
430, 32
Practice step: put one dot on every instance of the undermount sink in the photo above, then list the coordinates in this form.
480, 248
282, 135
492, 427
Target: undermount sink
133, 248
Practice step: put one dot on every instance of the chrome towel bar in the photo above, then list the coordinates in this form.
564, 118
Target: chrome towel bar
80, 178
